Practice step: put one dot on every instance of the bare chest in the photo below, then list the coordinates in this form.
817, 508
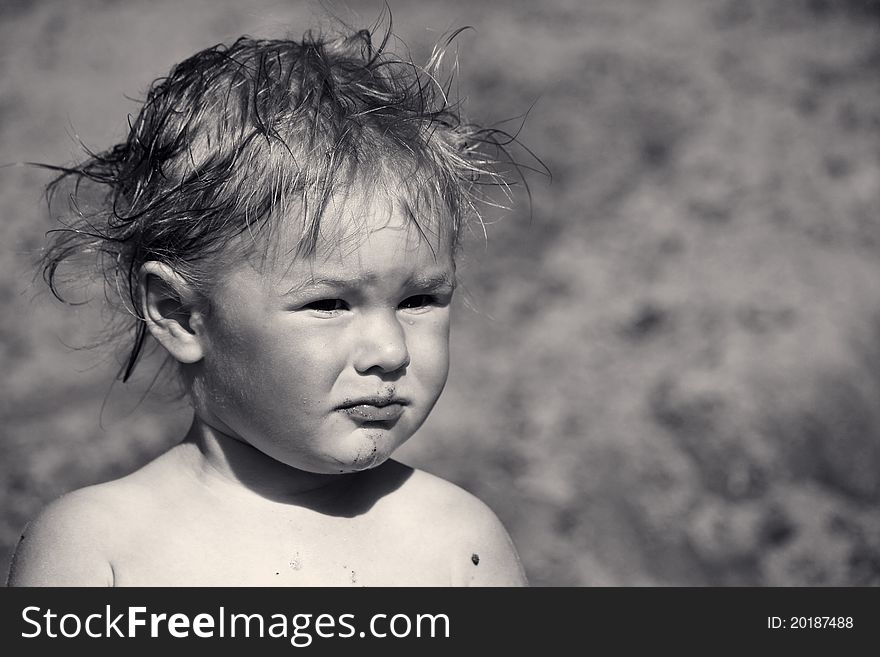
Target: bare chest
280, 549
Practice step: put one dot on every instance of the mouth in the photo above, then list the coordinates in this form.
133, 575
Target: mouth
374, 409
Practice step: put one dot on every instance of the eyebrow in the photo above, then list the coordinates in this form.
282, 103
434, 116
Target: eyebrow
432, 281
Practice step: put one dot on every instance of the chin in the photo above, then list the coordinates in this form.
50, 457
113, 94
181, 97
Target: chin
349, 466
368, 450
366, 458
369, 462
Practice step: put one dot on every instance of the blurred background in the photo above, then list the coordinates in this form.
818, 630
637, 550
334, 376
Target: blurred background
667, 367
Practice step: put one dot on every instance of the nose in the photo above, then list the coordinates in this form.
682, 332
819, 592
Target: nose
381, 344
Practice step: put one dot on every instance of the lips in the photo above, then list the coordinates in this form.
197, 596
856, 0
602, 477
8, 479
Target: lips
374, 410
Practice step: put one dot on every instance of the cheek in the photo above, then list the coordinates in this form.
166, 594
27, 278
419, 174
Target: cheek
429, 352
251, 368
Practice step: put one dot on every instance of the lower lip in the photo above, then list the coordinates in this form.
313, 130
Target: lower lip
370, 413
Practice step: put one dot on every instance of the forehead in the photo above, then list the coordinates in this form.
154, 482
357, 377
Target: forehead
364, 235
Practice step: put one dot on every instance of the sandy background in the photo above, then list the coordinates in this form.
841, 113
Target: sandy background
668, 375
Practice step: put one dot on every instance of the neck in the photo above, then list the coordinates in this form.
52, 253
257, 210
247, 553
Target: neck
221, 459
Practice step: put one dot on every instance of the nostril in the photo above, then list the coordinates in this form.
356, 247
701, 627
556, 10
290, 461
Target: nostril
389, 357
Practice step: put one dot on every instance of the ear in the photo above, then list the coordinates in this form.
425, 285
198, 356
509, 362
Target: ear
169, 308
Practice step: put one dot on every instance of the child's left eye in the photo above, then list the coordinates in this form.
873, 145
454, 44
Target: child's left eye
417, 301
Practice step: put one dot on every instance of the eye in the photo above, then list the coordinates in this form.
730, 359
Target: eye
326, 305
418, 301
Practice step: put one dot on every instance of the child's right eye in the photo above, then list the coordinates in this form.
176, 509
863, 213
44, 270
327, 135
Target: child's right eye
326, 305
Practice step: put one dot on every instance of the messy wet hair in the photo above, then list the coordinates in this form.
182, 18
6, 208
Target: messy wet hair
238, 135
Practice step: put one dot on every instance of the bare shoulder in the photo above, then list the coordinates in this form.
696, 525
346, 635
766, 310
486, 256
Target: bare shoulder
480, 548
67, 543
70, 543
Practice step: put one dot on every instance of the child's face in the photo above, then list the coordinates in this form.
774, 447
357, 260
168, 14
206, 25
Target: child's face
328, 364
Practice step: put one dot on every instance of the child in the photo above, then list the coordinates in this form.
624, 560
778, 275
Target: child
282, 219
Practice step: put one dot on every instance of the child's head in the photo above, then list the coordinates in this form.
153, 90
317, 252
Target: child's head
282, 218
346, 350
